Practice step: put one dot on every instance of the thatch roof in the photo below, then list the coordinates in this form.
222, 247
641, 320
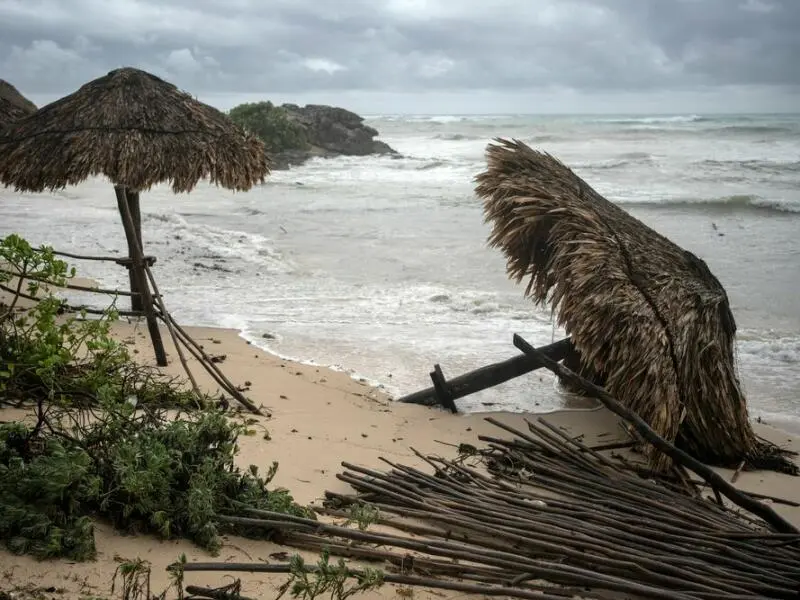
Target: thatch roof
13, 105
136, 129
648, 318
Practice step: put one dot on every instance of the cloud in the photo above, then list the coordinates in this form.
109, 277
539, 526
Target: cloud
322, 65
408, 47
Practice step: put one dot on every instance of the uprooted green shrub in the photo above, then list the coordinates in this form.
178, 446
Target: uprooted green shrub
139, 469
102, 443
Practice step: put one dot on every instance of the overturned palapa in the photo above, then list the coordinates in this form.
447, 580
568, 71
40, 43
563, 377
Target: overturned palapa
649, 320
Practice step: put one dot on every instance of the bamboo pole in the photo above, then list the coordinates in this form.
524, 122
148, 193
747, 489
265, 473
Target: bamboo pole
212, 369
718, 483
175, 341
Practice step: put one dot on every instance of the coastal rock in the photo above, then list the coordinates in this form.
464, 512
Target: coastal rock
13, 105
331, 131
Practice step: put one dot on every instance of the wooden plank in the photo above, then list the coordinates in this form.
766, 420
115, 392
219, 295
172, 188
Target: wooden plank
490, 375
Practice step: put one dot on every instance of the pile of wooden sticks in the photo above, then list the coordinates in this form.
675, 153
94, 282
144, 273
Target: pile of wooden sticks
540, 515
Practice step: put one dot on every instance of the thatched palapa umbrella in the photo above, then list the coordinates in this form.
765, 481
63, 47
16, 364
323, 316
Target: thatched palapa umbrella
137, 130
648, 319
13, 105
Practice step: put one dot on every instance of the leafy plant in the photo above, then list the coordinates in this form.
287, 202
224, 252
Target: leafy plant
103, 442
329, 579
363, 515
272, 124
64, 357
135, 578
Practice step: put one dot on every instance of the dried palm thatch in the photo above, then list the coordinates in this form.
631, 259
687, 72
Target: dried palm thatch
13, 105
136, 129
648, 319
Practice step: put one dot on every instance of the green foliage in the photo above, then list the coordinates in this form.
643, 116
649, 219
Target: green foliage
103, 442
42, 494
142, 470
328, 579
134, 576
363, 515
271, 124
67, 357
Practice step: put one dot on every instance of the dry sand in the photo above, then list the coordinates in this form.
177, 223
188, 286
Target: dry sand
319, 418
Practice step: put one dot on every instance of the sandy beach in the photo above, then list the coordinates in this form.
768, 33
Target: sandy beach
317, 419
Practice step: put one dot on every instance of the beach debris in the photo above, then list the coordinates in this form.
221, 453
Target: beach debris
717, 483
647, 319
542, 515
488, 376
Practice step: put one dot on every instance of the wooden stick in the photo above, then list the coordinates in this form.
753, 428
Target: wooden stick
717, 482
181, 356
84, 257
489, 376
138, 278
442, 390
573, 529
204, 359
551, 571
214, 594
441, 584
137, 300
70, 286
69, 307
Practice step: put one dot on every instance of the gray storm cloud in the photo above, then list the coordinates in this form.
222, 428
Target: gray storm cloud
299, 46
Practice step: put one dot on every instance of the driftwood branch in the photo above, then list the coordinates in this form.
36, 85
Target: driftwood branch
717, 482
490, 375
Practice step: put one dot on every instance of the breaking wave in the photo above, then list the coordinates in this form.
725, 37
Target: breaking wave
734, 202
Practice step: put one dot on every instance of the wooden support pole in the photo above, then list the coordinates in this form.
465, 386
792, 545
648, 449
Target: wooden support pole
443, 390
138, 277
137, 302
204, 359
159, 301
490, 375
123, 197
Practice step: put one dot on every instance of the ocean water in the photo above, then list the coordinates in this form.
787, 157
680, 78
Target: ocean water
380, 266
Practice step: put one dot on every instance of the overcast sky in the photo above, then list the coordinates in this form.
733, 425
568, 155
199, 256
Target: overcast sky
422, 56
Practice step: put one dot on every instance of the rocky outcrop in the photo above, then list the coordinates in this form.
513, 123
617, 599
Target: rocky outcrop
330, 131
13, 105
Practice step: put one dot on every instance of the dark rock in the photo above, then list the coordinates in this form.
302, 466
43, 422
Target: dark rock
13, 105
331, 131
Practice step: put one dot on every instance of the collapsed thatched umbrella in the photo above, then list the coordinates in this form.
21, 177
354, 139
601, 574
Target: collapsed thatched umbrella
137, 130
13, 105
648, 319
